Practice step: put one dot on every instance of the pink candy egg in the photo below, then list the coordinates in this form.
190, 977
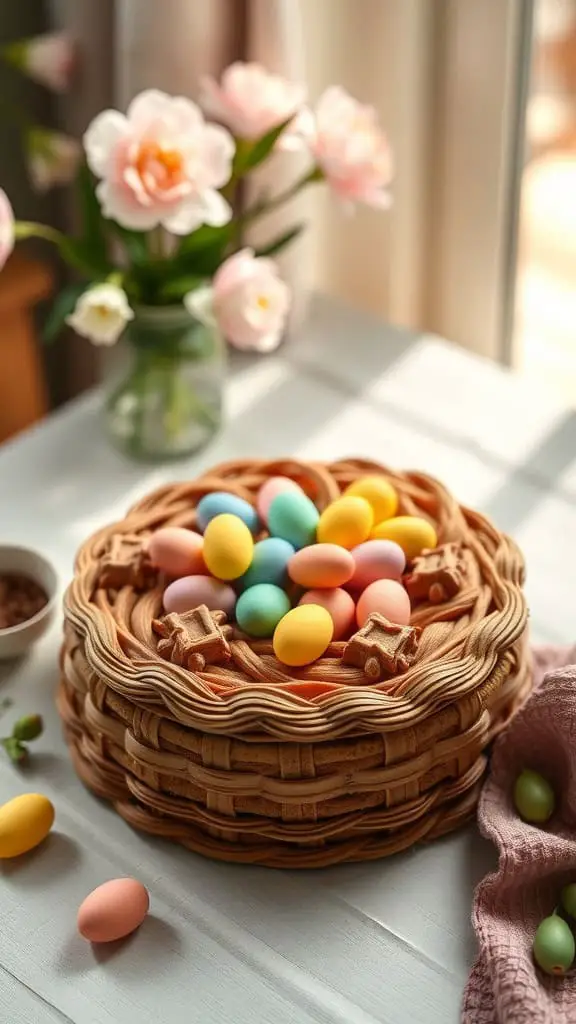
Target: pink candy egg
113, 910
191, 591
388, 598
176, 551
274, 486
321, 565
377, 560
339, 606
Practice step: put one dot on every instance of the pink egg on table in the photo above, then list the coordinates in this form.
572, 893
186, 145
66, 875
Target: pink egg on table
272, 487
321, 565
176, 551
376, 560
339, 606
388, 598
191, 591
113, 910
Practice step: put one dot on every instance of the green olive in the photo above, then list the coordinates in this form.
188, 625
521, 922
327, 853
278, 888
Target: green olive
533, 797
569, 899
553, 947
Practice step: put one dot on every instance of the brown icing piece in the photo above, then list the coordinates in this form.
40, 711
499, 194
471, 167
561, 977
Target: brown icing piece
382, 648
126, 563
193, 639
437, 574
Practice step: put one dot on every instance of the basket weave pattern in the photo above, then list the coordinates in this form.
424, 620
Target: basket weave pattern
252, 762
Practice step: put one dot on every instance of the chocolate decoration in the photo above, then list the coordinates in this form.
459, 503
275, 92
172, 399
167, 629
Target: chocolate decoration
437, 574
382, 648
193, 639
126, 564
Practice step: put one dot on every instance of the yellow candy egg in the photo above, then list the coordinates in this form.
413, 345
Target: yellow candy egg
346, 521
228, 547
303, 635
411, 533
379, 494
24, 822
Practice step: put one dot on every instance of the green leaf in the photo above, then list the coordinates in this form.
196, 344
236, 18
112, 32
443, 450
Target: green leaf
62, 307
281, 242
249, 157
175, 289
93, 223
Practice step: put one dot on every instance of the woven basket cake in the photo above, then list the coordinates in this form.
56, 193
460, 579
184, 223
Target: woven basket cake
250, 761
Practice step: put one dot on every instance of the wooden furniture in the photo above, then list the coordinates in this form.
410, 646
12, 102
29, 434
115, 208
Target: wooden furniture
385, 941
23, 396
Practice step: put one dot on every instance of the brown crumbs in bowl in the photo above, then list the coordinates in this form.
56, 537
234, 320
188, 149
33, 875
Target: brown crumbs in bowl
20, 599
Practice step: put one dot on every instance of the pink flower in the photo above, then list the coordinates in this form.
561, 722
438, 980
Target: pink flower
348, 146
250, 100
49, 59
248, 300
6, 228
53, 158
161, 164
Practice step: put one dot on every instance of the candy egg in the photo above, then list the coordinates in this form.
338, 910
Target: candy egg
176, 551
377, 560
113, 910
346, 521
412, 533
191, 591
260, 608
228, 547
379, 494
274, 486
220, 503
293, 517
569, 899
24, 822
269, 563
303, 635
321, 565
533, 797
339, 606
388, 598
553, 947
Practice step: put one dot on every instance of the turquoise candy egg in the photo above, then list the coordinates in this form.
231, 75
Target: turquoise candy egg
221, 503
269, 562
260, 608
293, 517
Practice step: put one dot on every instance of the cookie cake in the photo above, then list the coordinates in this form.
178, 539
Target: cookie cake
293, 664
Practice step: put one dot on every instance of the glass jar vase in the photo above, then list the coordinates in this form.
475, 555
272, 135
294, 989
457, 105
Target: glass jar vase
170, 402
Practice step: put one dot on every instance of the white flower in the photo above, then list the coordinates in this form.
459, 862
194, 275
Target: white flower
161, 164
53, 158
49, 59
6, 228
101, 314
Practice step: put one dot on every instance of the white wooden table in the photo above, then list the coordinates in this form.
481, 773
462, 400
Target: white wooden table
384, 943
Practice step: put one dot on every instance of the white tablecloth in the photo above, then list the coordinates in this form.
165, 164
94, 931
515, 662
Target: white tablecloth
383, 943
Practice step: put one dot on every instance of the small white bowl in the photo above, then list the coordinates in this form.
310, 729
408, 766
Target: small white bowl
16, 640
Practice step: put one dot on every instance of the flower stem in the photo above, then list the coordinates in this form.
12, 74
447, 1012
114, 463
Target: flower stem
266, 206
29, 229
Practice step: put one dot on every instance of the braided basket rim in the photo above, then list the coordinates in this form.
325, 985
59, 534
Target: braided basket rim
310, 704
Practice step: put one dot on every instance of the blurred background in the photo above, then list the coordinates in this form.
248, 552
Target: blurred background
478, 98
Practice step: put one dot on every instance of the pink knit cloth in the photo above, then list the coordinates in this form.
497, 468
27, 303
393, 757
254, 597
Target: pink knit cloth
504, 986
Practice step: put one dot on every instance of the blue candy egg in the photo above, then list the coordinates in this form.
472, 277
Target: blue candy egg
220, 503
260, 608
293, 517
269, 561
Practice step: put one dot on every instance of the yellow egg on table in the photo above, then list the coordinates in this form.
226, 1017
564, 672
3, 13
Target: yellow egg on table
346, 521
303, 635
412, 533
228, 547
379, 494
24, 822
